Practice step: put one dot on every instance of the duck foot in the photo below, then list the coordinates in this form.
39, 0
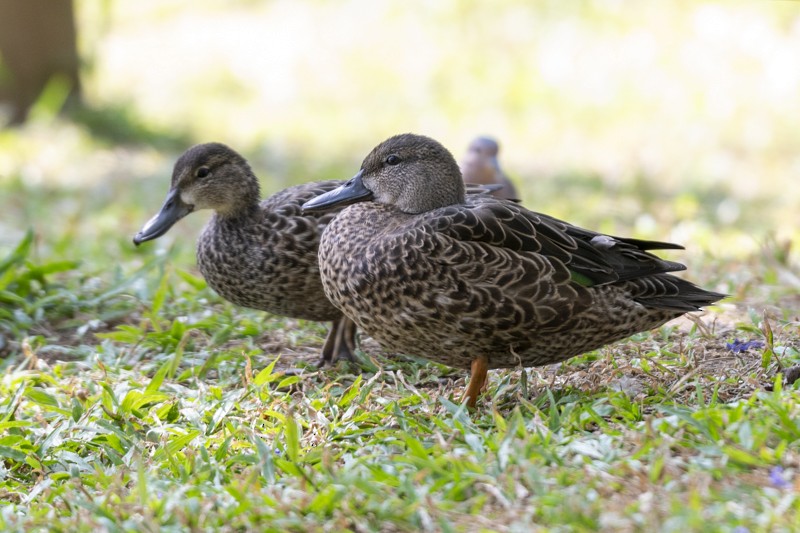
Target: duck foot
340, 342
477, 380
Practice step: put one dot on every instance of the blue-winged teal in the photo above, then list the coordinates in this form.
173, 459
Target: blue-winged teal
481, 282
481, 167
254, 253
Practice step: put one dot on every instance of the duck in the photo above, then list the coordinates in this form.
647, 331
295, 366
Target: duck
255, 253
480, 166
479, 282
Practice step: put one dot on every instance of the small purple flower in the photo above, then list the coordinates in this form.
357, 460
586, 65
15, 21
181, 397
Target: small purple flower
738, 346
777, 479
740, 529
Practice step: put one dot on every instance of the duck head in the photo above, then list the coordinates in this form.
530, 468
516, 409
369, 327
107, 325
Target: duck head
480, 164
411, 172
484, 147
206, 176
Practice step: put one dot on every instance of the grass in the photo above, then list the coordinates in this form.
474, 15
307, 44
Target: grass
134, 398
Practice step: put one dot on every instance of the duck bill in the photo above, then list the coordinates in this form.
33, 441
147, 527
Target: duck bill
172, 211
351, 192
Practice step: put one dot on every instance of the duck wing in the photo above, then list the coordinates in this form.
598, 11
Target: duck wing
289, 202
592, 258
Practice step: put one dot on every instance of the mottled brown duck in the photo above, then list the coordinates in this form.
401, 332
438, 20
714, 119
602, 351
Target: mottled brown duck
254, 253
481, 282
481, 167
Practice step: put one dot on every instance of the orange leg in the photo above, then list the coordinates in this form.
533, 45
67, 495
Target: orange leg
477, 380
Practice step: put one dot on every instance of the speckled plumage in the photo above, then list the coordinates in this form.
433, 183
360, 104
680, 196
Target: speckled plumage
261, 258
257, 254
428, 271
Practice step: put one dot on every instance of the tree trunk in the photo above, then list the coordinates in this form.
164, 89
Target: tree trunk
37, 42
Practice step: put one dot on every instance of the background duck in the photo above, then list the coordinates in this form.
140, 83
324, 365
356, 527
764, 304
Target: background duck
480, 282
258, 254
481, 167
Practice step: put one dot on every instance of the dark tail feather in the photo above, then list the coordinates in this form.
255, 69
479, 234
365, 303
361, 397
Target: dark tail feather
650, 245
676, 294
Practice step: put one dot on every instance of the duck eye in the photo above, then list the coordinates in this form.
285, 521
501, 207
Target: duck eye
393, 160
202, 172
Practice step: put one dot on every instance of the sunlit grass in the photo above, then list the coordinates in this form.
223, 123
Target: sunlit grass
174, 412
134, 398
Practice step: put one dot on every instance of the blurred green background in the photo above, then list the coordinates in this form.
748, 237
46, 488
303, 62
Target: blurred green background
671, 120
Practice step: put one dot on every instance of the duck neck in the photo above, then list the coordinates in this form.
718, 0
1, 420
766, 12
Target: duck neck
245, 202
240, 211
